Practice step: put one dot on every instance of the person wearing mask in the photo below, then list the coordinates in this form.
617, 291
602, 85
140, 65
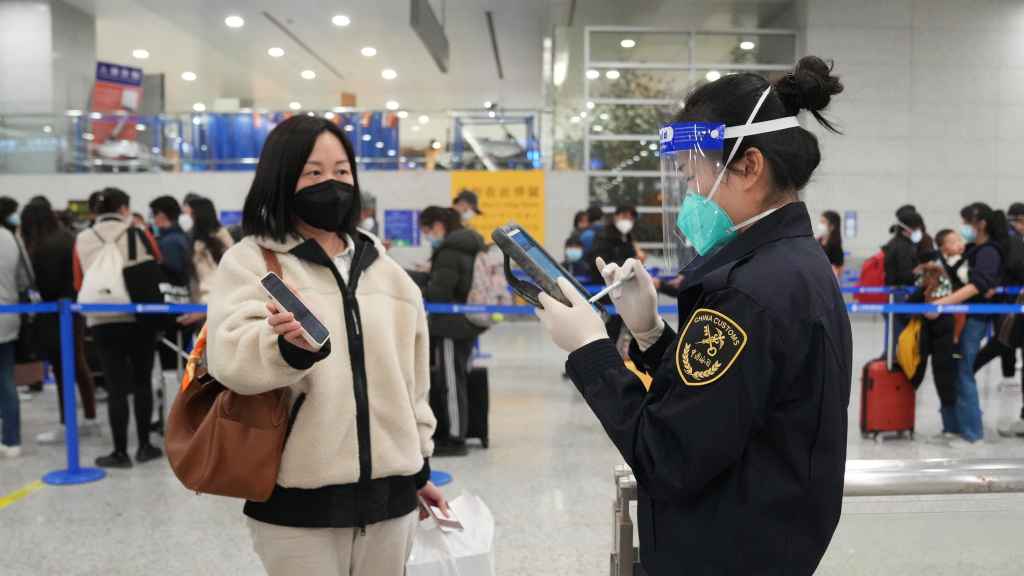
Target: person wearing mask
831, 240
14, 280
50, 247
986, 229
125, 347
739, 446
210, 241
174, 243
926, 250
361, 426
574, 258
580, 222
595, 220
467, 204
615, 243
901, 259
9, 218
452, 336
367, 217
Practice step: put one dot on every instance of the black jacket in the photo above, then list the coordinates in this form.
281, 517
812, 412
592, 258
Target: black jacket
346, 505
739, 448
52, 263
901, 257
451, 277
611, 245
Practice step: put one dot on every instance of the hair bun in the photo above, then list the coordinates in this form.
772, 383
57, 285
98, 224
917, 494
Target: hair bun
810, 86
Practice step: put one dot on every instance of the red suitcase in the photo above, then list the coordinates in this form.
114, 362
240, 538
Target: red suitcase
887, 400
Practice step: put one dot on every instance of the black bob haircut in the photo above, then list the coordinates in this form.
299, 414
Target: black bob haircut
268, 206
108, 201
167, 206
792, 154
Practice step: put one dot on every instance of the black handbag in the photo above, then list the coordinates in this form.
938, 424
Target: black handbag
27, 348
146, 282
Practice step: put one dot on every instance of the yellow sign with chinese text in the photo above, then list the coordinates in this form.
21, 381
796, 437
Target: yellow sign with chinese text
508, 195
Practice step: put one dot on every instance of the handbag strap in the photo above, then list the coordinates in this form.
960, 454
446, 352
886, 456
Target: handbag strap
273, 264
24, 260
133, 235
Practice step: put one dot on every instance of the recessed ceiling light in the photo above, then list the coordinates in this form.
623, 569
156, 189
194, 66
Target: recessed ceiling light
275, 52
367, 137
295, 105
603, 116
575, 119
308, 75
95, 115
310, 113
491, 114
368, 51
636, 158
74, 113
329, 115
140, 53
378, 145
88, 136
188, 76
234, 21
403, 114
583, 114
598, 128
488, 103
436, 145
349, 128
593, 74
627, 43
590, 105
747, 45
140, 127
644, 153
199, 107
653, 147
424, 119
392, 105
713, 75
612, 74
48, 129
341, 20
388, 74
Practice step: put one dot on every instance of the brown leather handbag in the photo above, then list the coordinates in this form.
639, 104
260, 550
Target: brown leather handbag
224, 443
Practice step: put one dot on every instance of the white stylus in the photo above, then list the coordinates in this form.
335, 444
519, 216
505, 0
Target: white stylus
607, 289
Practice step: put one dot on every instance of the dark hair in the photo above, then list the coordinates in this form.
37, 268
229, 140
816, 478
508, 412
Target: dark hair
108, 201
167, 206
190, 198
995, 223
834, 237
205, 226
38, 222
573, 241
792, 154
448, 216
40, 199
576, 219
626, 209
940, 238
268, 206
1016, 210
595, 214
8, 206
967, 212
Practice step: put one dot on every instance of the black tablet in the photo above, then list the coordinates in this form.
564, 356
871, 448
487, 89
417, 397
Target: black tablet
518, 245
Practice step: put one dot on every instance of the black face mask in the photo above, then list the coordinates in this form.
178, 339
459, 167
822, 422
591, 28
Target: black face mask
325, 205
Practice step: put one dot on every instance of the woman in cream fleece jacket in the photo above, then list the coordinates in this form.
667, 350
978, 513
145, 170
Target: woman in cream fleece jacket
357, 455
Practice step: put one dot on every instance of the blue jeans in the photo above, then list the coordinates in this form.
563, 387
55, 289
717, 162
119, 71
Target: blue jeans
968, 410
10, 408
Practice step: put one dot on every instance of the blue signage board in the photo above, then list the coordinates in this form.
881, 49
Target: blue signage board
401, 227
230, 217
118, 74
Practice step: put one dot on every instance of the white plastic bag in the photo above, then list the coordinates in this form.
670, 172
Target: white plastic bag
466, 553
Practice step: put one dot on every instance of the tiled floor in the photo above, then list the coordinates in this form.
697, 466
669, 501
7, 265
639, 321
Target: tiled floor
546, 477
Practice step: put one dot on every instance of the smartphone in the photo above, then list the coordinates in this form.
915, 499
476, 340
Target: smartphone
447, 523
518, 245
312, 329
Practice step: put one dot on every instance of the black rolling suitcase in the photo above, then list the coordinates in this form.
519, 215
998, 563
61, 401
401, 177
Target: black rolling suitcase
479, 405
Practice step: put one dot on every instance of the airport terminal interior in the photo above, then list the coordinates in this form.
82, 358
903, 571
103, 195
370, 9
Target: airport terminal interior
417, 171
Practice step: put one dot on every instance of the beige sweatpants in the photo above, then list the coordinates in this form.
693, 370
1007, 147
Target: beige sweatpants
382, 551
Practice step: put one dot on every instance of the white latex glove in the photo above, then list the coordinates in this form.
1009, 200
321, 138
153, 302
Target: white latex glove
570, 328
637, 299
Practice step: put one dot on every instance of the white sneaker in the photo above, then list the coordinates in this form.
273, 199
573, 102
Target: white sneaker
9, 452
964, 445
1011, 429
941, 439
26, 396
50, 437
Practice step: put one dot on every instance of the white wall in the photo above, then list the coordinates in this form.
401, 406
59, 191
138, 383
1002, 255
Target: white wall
74, 56
933, 105
26, 80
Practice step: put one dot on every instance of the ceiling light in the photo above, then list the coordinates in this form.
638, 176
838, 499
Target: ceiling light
593, 74
310, 113
424, 119
644, 153
713, 75
598, 128
612, 74
590, 105
583, 114
491, 114
436, 145
199, 107
329, 115
140, 127
368, 51
140, 53
308, 75
747, 45
188, 76
48, 129
378, 145
367, 137
95, 115
392, 105
488, 103
575, 119
88, 136
391, 153
275, 52
653, 147
295, 105
627, 43
403, 114
349, 128
603, 116
341, 20
234, 22
388, 74
74, 113
415, 128
636, 158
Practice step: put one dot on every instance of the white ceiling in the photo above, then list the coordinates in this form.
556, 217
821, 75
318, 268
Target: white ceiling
191, 35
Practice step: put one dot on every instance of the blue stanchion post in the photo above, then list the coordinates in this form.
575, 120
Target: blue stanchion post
74, 474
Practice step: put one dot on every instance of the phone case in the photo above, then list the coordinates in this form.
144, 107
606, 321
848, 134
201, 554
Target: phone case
518, 255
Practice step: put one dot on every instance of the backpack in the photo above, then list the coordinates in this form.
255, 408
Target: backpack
103, 282
489, 287
872, 273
